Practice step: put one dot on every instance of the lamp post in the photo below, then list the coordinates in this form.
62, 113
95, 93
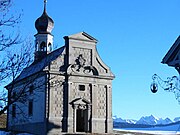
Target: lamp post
172, 84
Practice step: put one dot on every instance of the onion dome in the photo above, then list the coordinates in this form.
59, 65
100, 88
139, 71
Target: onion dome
44, 24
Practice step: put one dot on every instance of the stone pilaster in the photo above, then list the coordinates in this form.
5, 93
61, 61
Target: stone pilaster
94, 108
109, 122
70, 110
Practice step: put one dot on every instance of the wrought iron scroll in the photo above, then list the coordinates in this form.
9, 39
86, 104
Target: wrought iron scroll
172, 84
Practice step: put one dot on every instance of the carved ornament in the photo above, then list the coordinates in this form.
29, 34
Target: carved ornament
80, 67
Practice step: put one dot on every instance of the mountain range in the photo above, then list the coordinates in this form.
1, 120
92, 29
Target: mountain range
146, 120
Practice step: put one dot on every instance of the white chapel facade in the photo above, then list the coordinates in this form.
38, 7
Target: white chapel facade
69, 89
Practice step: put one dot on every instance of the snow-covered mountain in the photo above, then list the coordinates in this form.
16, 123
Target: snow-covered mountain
152, 120
129, 121
146, 120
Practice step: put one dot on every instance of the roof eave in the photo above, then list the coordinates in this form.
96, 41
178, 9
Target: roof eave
169, 54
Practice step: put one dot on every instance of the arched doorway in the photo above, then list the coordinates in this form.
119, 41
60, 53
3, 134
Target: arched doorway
81, 115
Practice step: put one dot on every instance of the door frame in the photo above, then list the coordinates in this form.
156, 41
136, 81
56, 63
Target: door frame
84, 105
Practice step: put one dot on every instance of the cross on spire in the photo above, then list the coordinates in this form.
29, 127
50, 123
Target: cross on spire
45, 1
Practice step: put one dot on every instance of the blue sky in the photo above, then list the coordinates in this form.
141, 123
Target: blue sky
133, 35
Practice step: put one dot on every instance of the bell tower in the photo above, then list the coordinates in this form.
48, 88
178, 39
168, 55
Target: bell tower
43, 39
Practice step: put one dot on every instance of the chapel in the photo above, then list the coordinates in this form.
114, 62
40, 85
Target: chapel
68, 90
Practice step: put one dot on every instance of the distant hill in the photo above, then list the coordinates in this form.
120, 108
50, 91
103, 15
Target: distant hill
176, 119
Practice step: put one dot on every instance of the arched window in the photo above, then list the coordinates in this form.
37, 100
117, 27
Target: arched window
37, 46
49, 47
43, 46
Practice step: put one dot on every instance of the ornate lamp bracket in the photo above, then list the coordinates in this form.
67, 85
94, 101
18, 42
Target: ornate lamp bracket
172, 84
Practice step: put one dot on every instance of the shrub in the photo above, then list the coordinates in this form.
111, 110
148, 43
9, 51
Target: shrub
3, 119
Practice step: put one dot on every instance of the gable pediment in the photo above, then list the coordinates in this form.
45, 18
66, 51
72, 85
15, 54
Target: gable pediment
81, 101
83, 36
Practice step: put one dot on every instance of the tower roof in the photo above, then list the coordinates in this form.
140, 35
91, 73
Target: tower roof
44, 24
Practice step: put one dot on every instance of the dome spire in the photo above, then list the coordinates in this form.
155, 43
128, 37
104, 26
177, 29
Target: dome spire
44, 24
43, 39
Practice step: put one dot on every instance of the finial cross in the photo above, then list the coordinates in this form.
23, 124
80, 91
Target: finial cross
45, 1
